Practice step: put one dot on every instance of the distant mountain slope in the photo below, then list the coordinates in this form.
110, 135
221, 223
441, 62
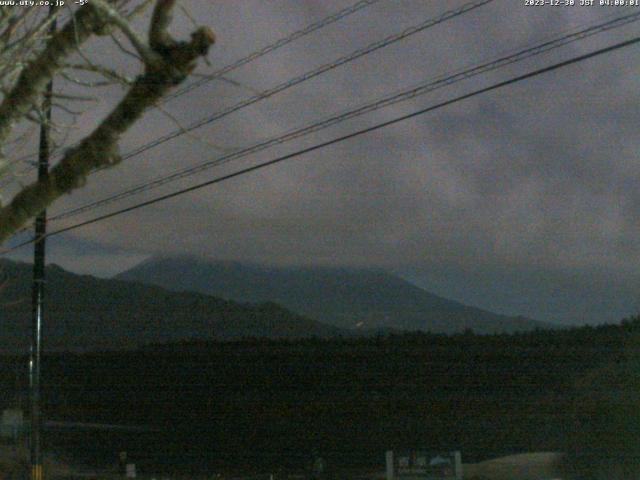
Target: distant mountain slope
86, 312
346, 298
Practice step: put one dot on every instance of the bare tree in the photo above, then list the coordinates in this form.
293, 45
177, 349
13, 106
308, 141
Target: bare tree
30, 56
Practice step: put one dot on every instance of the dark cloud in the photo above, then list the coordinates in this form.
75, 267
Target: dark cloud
522, 200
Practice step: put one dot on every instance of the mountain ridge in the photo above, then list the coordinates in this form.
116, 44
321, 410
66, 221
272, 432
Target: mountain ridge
351, 298
88, 313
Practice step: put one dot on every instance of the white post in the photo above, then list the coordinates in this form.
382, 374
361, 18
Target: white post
131, 470
390, 469
458, 461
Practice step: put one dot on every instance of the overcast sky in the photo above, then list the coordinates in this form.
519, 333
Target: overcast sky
521, 201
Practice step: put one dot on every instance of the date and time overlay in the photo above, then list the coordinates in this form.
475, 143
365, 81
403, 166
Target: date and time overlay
581, 3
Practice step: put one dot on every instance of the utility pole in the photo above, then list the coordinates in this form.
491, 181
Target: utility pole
38, 285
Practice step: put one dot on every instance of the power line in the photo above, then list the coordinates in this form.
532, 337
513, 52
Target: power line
342, 138
432, 22
274, 46
218, 74
404, 95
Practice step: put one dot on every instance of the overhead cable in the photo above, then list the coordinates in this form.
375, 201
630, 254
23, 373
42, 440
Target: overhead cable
259, 166
218, 74
406, 94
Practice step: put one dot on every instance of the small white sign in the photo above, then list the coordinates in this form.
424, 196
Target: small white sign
424, 465
131, 470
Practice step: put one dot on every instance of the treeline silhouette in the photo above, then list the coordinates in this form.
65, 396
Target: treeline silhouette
267, 403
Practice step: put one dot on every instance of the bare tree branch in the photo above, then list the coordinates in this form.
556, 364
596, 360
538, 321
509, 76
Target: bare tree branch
159, 38
123, 49
170, 64
110, 74
36, 75
145, 52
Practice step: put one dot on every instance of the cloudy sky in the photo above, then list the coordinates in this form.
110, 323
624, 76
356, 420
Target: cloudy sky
521, 201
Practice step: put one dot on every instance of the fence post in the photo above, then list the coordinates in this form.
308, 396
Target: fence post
458, 465
390, 469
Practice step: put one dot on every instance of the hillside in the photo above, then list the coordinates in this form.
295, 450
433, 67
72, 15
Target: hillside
84, 312
346, 298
